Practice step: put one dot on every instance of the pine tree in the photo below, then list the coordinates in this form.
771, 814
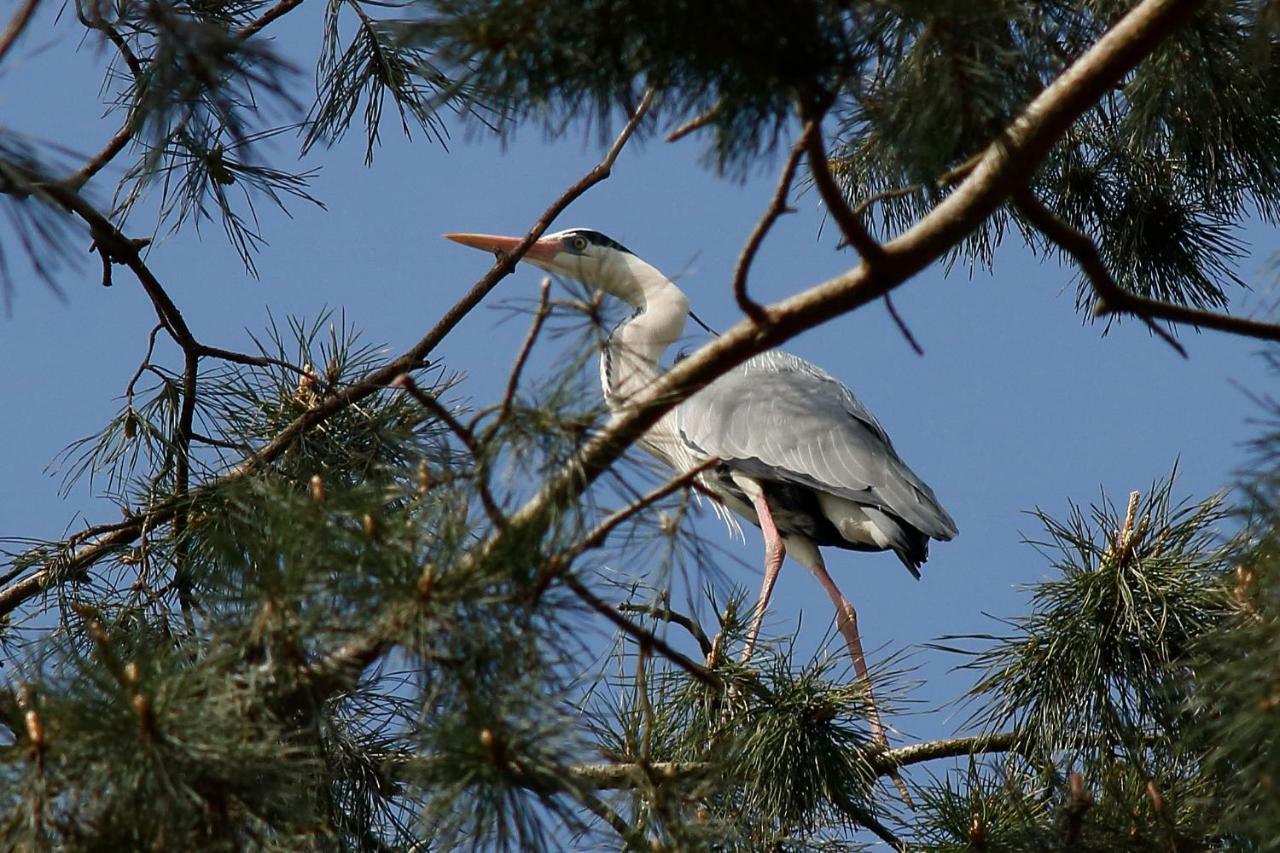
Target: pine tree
344, 610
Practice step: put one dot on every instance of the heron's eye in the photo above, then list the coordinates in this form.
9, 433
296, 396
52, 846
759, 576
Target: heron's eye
579, 244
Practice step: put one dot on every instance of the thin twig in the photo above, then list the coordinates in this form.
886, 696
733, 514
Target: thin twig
605, 812
513, 380
132, 121
17, 24
640, 634
255, 360
559, 562
279, 10
182, 484
646, 707
902, 324
777, 207
666, 614
696, 123
1113, 298
949, 178
146, 362
860, 209
1081, 247
467, 437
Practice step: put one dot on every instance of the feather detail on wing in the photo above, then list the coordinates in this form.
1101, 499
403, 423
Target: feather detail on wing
777, 417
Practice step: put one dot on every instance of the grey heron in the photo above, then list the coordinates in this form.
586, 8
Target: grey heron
798, 455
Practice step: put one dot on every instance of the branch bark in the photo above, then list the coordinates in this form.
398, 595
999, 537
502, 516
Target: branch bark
855, 233
17, 25
777, 207
1112, 298
614, 775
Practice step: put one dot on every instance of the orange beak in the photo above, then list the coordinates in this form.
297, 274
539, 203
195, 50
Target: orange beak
542, 250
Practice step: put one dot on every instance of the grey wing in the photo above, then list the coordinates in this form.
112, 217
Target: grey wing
778, 417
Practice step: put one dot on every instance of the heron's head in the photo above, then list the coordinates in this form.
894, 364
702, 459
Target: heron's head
584, 255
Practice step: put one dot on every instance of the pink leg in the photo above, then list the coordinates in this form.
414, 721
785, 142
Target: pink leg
774, 551
847, 623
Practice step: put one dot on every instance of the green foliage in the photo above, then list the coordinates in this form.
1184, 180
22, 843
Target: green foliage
373, 67
1012, 807
324, 648
1238, 695
34, 220
1100, 663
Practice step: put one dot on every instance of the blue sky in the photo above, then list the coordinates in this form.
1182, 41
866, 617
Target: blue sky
1015, 404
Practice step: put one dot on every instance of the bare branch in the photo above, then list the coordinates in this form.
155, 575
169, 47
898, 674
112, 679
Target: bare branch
642, 635
855, 233
666, 614
957, 747
777, 207
1112, 298
902, 324
696, 123
17, 24
467, 437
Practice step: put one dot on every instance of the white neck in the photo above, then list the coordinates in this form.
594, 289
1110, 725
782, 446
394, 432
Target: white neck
631, 356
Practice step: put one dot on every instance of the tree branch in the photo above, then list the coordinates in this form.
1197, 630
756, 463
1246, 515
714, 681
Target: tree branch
1112, 298
614, 775
777, 207
696, 123
17, 24
902, 324
642, 635
666, 614
917, 753
279, 10
468, 438
513, 380
855, 233
118, 248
